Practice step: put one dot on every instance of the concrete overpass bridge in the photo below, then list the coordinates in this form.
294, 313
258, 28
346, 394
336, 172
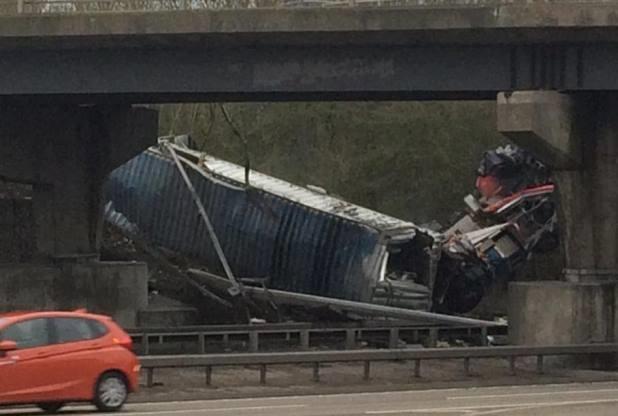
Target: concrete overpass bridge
310, 54
68, 83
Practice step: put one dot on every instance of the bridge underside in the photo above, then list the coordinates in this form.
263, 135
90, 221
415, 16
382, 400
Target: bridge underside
279, 73
295, 54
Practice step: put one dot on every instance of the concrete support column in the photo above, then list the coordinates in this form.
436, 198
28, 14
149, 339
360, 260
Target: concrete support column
577, 136
65, 152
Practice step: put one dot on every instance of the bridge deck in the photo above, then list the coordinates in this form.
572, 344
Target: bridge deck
304, 54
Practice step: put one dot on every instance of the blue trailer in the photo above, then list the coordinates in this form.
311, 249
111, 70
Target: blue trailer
298, 238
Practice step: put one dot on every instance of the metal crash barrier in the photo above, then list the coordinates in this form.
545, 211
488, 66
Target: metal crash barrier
262, 360
303, 332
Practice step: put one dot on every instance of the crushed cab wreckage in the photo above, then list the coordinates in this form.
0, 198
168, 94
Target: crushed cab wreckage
300, 239
514, 216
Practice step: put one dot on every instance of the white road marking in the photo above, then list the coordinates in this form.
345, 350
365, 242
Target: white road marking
127, 412
216, 409
378, 393
307, 396
545, 393
498, 411
491, 406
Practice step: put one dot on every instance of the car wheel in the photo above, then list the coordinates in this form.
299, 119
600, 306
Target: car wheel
111, 392
50, 407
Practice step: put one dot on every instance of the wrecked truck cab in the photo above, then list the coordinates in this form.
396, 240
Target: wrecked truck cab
408, 272
512, 216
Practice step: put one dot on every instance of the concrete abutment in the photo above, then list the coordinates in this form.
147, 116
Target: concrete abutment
577, 135
61, 156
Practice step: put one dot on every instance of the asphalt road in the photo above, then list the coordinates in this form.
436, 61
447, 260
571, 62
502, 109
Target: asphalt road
589, 399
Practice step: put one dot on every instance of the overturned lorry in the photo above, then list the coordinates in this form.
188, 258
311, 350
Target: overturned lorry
301, 239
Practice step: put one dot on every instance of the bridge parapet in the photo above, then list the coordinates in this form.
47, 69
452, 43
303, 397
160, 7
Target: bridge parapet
12, 7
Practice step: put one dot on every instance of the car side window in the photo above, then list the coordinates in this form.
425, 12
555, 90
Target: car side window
76, 329
31, 333
97, 328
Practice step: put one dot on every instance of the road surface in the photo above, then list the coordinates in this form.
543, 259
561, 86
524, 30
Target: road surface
589, 399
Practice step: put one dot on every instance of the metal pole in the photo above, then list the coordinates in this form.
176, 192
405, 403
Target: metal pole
484, 336
539, 364
20, 6
370, 309
208, 375
350, 339
304, 339
512, 365
204, 215
263, 374
254, 341
393, 338
316, 372
367, 371
150, 377
146, 342
433, 338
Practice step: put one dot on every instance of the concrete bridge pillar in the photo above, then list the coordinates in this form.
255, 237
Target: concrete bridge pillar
62, 154
577, 136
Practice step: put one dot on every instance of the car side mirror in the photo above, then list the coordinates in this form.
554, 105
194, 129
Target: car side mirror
6, 346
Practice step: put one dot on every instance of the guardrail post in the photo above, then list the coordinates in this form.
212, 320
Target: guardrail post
484, 336
417, 368
20, 6
226, 340
467, 366
208, 375
367, 371
415, 336
393, 338
350, 339
539, 364
202, 343
316, 372
150, 377
146, 344
263, 374
433, 338
288, 337
304, 339
254, 341
512, 364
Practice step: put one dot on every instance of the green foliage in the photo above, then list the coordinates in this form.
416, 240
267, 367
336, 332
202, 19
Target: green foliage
412, 160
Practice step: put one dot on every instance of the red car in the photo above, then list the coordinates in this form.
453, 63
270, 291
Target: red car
51, 358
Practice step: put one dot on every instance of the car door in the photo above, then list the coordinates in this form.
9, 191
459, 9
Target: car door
26, 374
76, 350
